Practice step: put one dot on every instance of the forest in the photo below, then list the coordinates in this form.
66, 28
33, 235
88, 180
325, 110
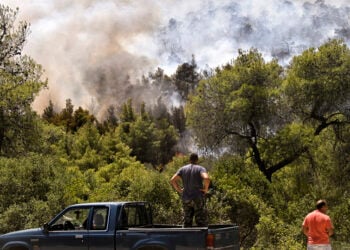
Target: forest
275, 139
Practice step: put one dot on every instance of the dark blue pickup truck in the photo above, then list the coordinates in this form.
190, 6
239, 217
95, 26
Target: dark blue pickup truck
117, 226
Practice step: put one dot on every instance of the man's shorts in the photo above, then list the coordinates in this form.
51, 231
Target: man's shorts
319, 247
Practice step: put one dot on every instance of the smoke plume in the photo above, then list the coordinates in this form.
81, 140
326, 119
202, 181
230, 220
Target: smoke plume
94, 51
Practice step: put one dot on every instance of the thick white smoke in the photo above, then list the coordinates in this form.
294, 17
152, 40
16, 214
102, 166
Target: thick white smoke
94, 50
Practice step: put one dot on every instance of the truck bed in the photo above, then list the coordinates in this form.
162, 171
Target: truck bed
222, 236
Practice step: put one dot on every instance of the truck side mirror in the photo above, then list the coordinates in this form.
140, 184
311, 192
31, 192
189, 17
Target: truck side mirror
46, 228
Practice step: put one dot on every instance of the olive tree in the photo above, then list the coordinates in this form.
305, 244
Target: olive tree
240, 110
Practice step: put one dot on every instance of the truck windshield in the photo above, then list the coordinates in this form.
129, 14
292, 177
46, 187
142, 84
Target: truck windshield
72, 219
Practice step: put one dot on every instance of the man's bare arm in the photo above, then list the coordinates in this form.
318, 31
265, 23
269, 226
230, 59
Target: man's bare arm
330, 231
305, 230
206, 182
174, 182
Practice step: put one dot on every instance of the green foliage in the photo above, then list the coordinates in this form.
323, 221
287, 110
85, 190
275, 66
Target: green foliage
68, 118
340, 213
186, 78
276, 234
31, 214
241, 190
318, 85
80, 118
179, 119
30, 188
20, 82
112, 148
76, 189
286, 143
240, 98
142, 139
151, 141
49, 113
239, 108
110, 122
127, 114
109, 184
86, 147
168, 138
245, 107
25, 177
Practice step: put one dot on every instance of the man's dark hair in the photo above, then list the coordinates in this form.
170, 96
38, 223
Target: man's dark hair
320, 204
193, 158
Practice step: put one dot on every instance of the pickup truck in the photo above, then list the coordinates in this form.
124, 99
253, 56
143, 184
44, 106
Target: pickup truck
117, 226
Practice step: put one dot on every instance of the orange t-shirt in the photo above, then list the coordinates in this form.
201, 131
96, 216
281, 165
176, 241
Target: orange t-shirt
318, 223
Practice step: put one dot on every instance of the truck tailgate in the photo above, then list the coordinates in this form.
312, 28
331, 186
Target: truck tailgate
223, 237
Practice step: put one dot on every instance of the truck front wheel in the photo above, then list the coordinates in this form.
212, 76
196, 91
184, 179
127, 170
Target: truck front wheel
17, 248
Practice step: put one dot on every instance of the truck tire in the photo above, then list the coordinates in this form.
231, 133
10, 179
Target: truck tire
17, 248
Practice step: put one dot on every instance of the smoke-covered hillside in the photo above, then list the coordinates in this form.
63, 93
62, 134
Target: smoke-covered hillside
94, 51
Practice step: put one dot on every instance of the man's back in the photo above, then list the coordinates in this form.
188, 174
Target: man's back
195, 181
192, 180
318, 224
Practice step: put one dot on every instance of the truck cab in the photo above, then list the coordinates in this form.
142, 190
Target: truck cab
82, 226
117, 226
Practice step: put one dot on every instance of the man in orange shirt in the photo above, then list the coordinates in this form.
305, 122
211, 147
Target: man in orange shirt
317, 227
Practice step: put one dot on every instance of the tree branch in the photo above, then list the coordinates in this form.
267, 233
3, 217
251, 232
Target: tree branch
284, 163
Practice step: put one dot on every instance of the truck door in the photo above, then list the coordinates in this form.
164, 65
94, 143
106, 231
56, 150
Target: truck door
101, 231
132, 215
68, 231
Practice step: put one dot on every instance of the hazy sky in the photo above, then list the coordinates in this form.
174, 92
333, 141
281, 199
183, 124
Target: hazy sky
89, 47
